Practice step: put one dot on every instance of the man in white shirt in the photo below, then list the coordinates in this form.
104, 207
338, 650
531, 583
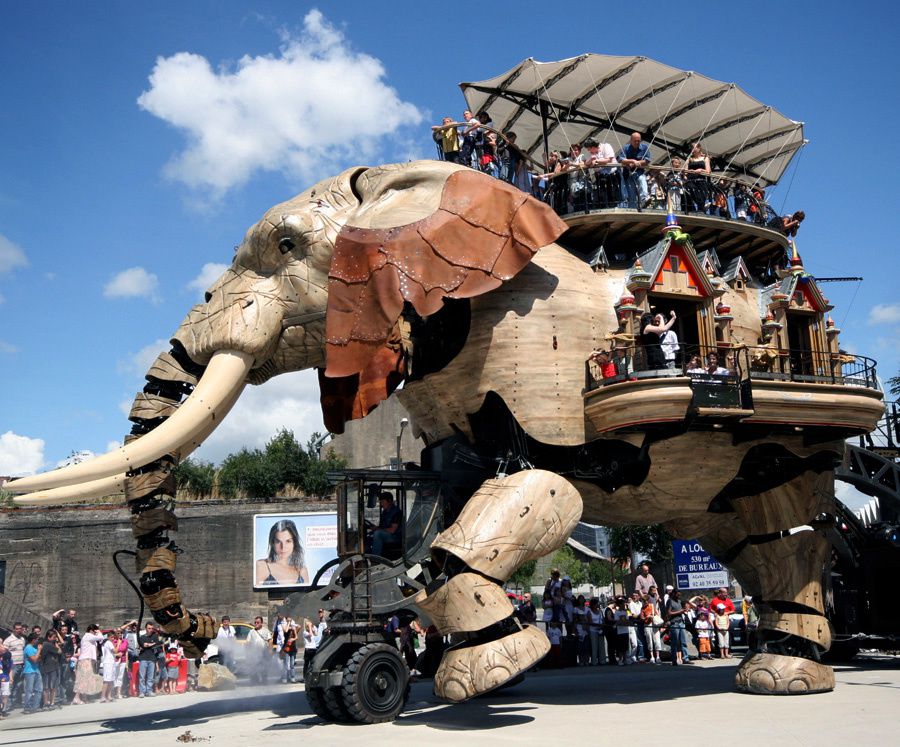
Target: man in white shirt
260, 642
15, 642
606, 179
225, 642
312, 637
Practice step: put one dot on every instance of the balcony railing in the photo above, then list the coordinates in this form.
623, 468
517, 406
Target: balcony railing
734, 365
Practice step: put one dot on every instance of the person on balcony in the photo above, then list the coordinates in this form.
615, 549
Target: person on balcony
674, 184
605, 179
652, 329
697, 186
635, 157
605, 368
578, 178
712, 365
668, 339
788, 224
447, 137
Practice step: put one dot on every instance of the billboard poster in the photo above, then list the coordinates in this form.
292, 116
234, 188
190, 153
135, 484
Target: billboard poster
289, 549
695, 568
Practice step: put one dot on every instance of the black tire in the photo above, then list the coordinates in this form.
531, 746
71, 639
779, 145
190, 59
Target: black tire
334, 702
376, 684
316, 700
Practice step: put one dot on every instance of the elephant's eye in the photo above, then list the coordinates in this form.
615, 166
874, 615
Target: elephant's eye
286, 245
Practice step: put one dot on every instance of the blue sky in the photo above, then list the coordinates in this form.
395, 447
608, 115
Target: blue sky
139, 141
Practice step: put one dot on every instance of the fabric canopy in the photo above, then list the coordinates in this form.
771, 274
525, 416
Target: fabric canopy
607, 98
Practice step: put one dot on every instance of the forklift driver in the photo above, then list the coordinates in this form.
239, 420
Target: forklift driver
388, 534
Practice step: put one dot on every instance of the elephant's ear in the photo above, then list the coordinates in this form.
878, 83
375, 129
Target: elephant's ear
480, 234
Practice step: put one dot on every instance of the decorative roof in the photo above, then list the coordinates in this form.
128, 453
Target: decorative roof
654, 258
608, 97
735, 269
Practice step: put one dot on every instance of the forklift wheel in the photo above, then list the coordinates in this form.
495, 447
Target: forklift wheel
376, 684
334, 702
315, 698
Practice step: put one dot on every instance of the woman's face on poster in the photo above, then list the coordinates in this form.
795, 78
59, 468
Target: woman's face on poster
284, 544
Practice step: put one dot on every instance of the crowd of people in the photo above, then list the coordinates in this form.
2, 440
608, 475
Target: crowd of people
593, 175
624, 630
44, 670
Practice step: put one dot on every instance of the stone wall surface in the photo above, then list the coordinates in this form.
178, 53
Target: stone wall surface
62, 557
372, 442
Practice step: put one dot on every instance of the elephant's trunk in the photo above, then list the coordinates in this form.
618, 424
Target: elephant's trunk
181, 430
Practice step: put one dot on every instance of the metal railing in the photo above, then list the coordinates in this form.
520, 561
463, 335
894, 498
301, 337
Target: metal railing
756, 363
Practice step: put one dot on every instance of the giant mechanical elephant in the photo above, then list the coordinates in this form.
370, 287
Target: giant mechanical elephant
450, 282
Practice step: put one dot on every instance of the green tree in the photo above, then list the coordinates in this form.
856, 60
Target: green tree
651, 541
604, 573
249, 472
569, 565
287, 458
523, 575
315, 481
893, 385
198, 478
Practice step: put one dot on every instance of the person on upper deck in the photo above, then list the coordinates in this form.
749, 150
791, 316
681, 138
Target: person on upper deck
697, 187
712, 365
788, 224
605, 179
635, 157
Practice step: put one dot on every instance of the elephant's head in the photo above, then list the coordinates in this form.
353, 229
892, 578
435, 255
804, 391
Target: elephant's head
321, 282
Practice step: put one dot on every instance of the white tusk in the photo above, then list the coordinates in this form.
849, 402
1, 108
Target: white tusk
69, 493
84, 491
209, 403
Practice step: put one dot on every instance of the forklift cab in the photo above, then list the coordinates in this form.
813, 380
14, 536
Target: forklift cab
417, 496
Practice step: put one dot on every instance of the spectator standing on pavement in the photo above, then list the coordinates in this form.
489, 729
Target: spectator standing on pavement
51, 666
149, 645
289, 652
33, 686
6, 668
526, 612
722, 624
86, 668
67, 618
634, 605
644, 581
704, 629
260, 642
595, 633
751, 620
15, 642
108, 666
312, 637
675, 617
225, 641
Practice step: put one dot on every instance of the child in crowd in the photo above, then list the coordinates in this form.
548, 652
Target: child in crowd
722, 624
173, 660
554, 633
704, 629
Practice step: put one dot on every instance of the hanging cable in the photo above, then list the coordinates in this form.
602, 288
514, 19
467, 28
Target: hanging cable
552, 105
791, 182
850, 305
130, 582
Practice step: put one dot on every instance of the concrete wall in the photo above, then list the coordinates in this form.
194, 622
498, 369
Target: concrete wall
372, 441
62, 558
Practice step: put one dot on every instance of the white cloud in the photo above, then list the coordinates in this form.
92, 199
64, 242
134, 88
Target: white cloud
288, 401
138, 363
9, 348
76, 457
208, 275
11, 256
20, 455
135, 282
113, 445
884, 313
316, 103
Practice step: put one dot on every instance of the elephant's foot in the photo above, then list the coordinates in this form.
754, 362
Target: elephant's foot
468, 670
776, 674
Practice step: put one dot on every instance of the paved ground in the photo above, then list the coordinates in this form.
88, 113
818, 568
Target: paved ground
548, 708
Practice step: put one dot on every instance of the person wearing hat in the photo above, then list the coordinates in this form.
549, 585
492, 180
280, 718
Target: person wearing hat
704, 628
722, 624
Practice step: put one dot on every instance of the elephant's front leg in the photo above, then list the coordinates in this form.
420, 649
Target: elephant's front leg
507, 522
793, 631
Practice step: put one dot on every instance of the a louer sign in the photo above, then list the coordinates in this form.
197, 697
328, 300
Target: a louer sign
695, 568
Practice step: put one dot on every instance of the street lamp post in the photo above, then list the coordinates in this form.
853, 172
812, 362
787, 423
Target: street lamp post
403, 423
